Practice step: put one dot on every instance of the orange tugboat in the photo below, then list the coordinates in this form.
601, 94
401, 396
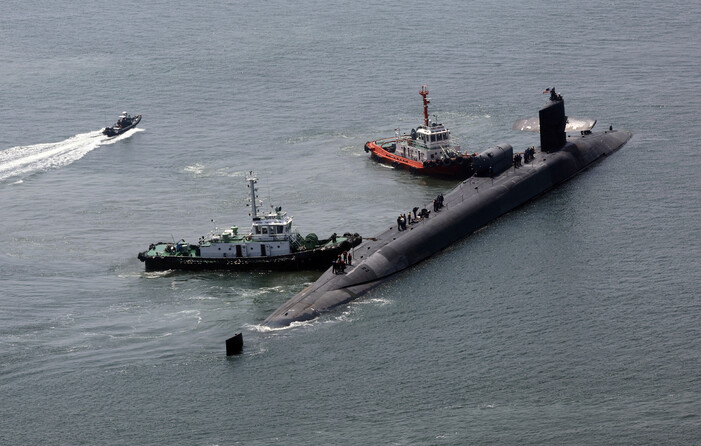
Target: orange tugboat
427, 150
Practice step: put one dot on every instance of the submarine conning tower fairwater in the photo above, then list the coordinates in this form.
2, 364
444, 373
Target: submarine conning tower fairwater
474, 203
552, 123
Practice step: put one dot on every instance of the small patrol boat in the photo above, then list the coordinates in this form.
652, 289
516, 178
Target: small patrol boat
427, 150
271, 244
124, 123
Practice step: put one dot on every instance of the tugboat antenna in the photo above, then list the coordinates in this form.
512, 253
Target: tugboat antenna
424, 93
252, 184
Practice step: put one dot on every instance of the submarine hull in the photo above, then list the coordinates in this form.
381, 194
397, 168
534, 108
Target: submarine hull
471, 205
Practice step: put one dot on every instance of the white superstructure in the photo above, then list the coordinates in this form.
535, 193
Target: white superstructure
271, 235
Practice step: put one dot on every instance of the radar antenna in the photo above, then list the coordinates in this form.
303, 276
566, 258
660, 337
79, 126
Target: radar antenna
252, 185
424, 93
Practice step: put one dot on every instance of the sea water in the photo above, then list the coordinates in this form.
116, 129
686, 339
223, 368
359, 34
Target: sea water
572, 320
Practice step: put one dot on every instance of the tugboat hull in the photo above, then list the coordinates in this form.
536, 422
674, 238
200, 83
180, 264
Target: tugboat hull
271, 244
457, 167
157, 259
426, 151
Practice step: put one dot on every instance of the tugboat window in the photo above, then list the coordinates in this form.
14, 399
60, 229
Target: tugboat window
265, 229
279, 229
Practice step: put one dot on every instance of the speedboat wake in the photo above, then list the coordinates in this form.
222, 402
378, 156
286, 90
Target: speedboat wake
22, 161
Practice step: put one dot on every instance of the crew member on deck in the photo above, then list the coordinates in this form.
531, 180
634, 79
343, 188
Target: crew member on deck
341, 264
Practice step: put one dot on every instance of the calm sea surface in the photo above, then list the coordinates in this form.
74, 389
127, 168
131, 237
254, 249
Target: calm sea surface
575, 319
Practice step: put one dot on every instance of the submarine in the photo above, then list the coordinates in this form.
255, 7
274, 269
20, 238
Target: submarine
499, 183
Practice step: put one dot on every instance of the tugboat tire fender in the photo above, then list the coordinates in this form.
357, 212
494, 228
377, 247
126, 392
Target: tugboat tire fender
412, 169
367, 149
459, 160
447, 162
395, 164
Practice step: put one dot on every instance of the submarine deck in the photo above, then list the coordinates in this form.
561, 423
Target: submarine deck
477, 200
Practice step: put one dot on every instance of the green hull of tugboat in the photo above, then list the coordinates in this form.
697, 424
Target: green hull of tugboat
272, 244
168, 256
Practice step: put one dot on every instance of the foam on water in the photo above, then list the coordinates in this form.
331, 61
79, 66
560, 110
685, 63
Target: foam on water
22, 161
266, 329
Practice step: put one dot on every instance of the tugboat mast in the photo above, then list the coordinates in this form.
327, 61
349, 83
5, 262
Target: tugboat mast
251, 184
424, 93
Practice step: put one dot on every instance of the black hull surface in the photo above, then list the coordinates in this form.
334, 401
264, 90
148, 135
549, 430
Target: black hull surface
313, 259
469, 207
116, 131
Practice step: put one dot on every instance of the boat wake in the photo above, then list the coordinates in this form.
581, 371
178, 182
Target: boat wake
266, 329
22, 161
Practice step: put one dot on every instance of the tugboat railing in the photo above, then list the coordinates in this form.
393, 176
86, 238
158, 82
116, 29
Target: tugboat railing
297, 241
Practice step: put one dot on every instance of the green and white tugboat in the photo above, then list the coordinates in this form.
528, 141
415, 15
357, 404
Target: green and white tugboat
271, 244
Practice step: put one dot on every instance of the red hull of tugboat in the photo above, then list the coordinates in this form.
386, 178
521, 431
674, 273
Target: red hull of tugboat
453, 167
